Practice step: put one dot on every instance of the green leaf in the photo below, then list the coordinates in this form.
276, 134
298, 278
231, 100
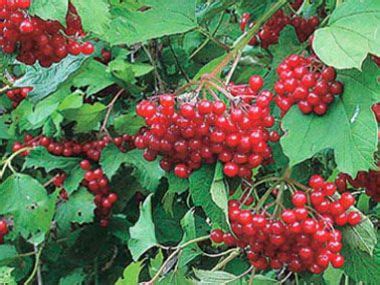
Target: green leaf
200, 186
79, 208
361, 237
6, 276
349, 127
87, 117
222, 277
7, 253
142, 234
94, 76
219, 191
27, 201
95, 16
157, 19
74, 178
155, 263
332, 276
351, 33
214, 277
131, 274
3, 131
50, 9
148, 174
128, 71
128, 124
177, 185
75, 277
189, 233
176, 277
39, 157
363, 203
45, 81
360, 266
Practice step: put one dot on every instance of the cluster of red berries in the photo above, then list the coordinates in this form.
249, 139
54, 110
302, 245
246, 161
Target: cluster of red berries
35, 39
3, 230
303, 239
370, 181
18, 94
94, 179
307, 82
270, 32
188, 134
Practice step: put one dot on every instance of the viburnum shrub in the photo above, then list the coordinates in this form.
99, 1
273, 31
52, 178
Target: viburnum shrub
155, 142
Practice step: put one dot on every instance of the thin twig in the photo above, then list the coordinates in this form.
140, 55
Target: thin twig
208, 39
171, 256
225, 261
178, 64
233, 68
36, 265
109, 110
39, 276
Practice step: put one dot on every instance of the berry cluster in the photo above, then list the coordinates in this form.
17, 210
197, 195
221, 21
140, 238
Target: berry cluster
3, 230
270, 32
370, 181
35, 39
305, 81
94, 179
188, 134
17, 95
303, 238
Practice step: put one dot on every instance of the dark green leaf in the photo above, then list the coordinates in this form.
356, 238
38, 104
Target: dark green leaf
149, 174
27, 201
87, 116
79, 208
76, 277
94, 76
129, 123
360, 266
189, 233
177, 185
200, 186
41, 158
160, 18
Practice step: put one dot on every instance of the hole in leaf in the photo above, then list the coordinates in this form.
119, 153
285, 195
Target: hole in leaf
144, 8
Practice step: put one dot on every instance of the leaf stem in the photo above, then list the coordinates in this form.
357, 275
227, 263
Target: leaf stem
246, 38
36, 265
109, 110
225, 261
